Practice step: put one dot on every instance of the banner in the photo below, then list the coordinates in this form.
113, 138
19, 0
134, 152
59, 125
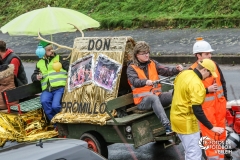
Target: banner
93, 78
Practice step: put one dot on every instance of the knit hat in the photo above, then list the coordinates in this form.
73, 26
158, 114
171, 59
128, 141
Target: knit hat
43, 43
209, 65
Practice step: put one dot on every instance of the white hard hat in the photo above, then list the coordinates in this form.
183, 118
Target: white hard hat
201, 46
232, 140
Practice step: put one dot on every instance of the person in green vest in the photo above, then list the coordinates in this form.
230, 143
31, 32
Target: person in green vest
52, 82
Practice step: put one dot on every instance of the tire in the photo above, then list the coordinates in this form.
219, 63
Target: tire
62, 130
96, 143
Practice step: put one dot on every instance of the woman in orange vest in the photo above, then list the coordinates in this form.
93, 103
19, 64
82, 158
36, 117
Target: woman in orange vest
214, 105
142, 72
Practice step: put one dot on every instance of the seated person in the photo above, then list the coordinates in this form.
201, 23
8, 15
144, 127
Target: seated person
52, 82
8, 57
141, 73
6, 81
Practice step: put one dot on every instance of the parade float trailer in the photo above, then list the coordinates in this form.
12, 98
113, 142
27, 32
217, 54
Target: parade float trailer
24, 119
97, 105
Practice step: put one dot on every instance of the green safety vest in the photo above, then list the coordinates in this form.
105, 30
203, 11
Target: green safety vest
55, 79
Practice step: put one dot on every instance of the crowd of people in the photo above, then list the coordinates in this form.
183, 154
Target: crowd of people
12, 74
197, 101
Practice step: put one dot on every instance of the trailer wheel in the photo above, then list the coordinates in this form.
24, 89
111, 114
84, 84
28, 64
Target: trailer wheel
62, 130
96, 143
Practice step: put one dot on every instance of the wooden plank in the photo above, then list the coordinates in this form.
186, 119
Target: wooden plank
127, 119
23, 91
120, 101
6, 111
136, 110
131, 109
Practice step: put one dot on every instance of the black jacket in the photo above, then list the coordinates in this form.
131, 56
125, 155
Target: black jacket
21, 78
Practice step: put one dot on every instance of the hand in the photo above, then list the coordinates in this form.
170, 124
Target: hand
39, 76
149, 82
218, 130
212, 88
179, 67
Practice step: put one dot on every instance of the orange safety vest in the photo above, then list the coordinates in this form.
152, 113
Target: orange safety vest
214, 108
139, 93
210, 97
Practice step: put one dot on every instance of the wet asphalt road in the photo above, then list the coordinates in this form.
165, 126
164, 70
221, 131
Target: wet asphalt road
173, 41
154, 151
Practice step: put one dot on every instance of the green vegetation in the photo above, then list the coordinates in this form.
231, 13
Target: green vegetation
116, 14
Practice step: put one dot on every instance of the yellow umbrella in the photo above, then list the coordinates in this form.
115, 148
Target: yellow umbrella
48, 21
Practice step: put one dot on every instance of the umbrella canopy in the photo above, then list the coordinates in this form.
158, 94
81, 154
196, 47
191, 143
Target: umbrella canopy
49, 20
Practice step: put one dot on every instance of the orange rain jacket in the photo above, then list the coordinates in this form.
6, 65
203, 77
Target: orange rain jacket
214, 108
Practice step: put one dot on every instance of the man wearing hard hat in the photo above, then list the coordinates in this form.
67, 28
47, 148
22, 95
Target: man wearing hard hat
214, 105
186, 110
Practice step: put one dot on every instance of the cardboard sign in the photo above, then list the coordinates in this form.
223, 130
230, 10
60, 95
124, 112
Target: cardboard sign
93, 78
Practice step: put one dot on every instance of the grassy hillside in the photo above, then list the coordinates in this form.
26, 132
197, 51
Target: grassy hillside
139, 13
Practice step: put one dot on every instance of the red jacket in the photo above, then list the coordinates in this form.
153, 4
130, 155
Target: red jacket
14, 61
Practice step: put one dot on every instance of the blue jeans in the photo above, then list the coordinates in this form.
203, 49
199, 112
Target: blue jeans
51, 102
